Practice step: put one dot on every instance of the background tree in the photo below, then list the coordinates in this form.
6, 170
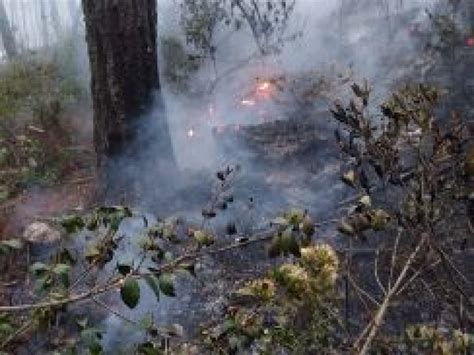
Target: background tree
8, 38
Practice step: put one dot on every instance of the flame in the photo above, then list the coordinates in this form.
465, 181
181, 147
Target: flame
264, 90
265, 86
248, 102
211, 110
191, 133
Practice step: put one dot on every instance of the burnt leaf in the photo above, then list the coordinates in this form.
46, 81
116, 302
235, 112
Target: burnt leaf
307, 226
221, 175
222, 205
231, 229
289, 244
191, 268
349, 178
275, 249
124, 269
203, 238
346, 228
209, 213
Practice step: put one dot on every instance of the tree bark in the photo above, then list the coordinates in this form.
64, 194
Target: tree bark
121, 37
6, 32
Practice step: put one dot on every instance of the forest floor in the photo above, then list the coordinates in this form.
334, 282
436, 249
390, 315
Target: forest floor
75, 187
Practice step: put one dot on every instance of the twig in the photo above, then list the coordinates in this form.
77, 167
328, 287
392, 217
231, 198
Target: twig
376, 273
114, 312
415, 276
379, 316
362, 291
19, 331
394, 258
118, 281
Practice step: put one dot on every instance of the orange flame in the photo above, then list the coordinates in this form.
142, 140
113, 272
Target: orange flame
265, 86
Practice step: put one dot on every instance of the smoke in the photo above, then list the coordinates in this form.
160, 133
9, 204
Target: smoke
373, 41
362, 40
341, 41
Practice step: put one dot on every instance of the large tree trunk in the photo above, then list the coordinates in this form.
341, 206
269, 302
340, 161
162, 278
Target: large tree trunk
121, 37
6, 32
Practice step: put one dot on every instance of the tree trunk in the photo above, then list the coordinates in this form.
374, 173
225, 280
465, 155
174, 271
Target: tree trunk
121, 37
44, 24
6, 32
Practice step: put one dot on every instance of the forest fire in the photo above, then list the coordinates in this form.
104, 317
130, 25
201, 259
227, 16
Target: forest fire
236, 182
262, 92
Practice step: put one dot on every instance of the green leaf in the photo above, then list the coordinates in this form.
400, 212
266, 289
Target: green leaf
166, 285
12, 244
95, 348
72, 224
93, 223
62, 270
39, 268
5, 328
152, 282
4, 193
295, 216
82, 322
130, 292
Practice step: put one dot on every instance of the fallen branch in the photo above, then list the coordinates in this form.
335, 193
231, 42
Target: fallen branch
117, 282
376, 323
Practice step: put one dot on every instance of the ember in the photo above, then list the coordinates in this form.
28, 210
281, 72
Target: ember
265, 86
211, 110
248, 102
264, 89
